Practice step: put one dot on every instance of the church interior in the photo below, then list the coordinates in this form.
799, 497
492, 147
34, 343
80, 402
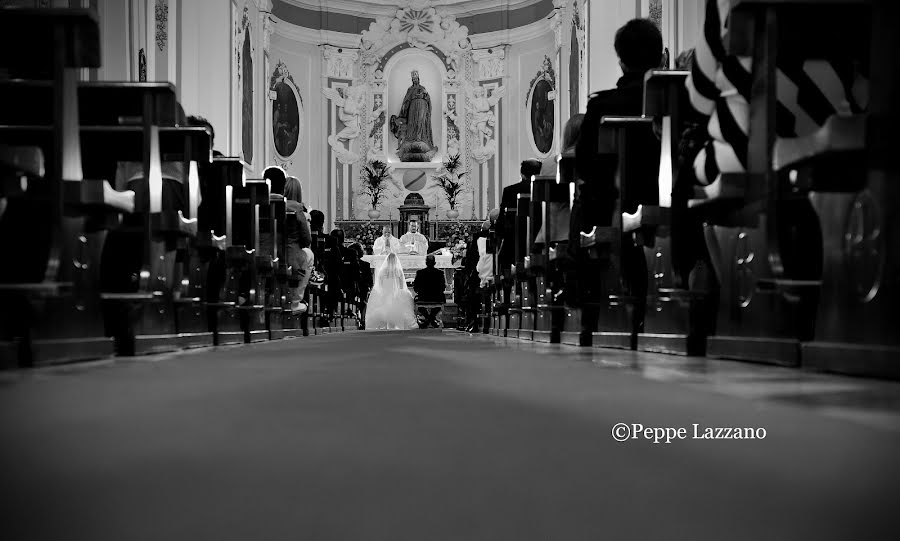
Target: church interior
449, 269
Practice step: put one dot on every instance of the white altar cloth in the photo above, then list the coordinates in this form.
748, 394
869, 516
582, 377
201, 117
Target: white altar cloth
412, 262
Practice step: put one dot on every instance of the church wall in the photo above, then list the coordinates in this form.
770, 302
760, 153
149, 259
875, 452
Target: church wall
307, 163
525, 61
604, 18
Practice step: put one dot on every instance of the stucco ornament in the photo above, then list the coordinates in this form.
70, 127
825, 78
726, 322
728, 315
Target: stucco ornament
350, 107
483, 120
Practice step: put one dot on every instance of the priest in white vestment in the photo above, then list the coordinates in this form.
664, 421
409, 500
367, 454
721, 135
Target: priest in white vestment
386, 243
413, 242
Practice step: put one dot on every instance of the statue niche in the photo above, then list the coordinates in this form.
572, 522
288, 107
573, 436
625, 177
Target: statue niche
412, 126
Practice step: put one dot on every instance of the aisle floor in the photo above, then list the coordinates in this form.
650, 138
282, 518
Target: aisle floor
426, 436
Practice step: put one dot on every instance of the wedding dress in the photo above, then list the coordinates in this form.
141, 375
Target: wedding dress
391, 304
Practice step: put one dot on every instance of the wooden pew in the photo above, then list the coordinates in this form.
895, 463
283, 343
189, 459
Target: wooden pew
49, 296
677, 319
251, 267
501, 290
522, 301
621, 318
849, 168
545, 257
767, 307
487, 317
274, 272
215, 237
576, 329
189, 284
291, 324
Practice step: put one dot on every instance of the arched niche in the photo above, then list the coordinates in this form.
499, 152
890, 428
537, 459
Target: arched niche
432, 74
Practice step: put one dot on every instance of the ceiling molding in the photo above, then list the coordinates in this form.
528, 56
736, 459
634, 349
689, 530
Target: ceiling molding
316, 37
351, 41
379, 8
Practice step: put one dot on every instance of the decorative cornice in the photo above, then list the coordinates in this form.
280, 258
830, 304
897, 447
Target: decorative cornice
479, 41
511, 36
316, 37
376, 8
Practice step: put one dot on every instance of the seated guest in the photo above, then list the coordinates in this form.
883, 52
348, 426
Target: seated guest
386, 243
328, 259
485, 265
507, 235
429, 287
413, 242
478, 266
559, 210
349, 265
298, 240
302, 204
364, 284
640, 48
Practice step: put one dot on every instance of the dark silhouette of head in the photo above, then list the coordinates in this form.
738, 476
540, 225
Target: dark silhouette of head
357, 247
338, 235
316, 220
529, 168
429, 261
197, 120
639, 46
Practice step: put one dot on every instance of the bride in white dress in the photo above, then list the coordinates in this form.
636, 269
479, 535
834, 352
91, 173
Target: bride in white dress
391, 304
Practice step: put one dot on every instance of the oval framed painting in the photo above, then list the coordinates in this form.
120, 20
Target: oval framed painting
287, 118
541, 116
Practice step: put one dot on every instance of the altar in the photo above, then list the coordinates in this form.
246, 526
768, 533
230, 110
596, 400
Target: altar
412, 262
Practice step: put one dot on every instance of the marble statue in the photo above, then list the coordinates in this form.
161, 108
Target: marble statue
412, 127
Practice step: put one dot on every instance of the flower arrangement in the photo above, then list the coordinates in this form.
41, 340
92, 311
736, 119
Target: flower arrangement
367, 233
375, 176
450, 180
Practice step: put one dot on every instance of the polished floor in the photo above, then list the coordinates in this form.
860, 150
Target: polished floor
427, 436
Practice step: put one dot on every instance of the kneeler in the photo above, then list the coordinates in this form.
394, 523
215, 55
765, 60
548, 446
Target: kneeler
430, 315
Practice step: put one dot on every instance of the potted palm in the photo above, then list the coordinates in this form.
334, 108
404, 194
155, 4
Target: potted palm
375, 176
450, 181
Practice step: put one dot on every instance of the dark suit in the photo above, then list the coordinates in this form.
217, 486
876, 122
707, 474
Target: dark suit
505, 233
430, 285
328, 259
596, 164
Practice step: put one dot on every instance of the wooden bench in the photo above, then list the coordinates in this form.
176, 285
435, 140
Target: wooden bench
620, 316
849, 170
522, 301
215, 239
767, 308
678, 319
249, 265
50, 306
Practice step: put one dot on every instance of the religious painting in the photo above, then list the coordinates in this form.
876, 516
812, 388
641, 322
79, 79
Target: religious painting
247, 99
287, 111
541, 114
541, 110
